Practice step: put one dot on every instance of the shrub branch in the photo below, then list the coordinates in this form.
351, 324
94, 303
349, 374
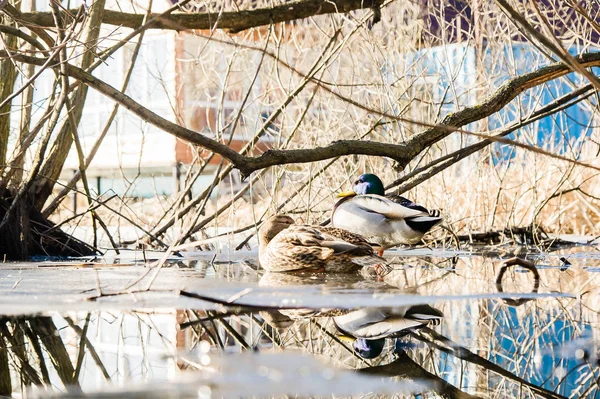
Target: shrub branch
402, 153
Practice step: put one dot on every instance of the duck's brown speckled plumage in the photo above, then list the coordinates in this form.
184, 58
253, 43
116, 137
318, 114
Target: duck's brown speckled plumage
350, 237
285, 247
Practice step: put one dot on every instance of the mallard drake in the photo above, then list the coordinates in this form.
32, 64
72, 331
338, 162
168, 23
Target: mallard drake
286, 247
385, 220
368, 328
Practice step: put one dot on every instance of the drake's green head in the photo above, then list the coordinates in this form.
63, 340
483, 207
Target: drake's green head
369, 184
366, 184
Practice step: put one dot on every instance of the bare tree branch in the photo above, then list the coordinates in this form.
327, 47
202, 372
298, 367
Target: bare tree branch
61, 146
402, 153
231, 20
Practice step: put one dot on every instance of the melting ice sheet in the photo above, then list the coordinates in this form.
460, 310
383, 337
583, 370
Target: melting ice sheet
256, 375
203, 327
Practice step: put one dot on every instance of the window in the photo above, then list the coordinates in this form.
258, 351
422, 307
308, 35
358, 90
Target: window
219, 89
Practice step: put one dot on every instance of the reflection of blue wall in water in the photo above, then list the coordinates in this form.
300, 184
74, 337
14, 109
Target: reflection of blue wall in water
534, 346
451, 70
527, 342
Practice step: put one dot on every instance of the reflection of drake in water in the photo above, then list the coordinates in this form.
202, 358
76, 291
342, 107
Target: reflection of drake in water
368, 328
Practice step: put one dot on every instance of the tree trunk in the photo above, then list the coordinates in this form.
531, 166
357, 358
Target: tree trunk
27, 102
64, 140
15, 233
5, 382
27, 233
8, 75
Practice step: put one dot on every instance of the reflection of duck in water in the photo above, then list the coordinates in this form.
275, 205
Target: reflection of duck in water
387, 220
368, 328
285, 247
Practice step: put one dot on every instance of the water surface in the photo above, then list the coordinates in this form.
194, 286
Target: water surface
206, 326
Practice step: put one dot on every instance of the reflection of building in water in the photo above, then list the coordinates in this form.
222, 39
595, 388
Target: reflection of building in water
136, 347
548, 341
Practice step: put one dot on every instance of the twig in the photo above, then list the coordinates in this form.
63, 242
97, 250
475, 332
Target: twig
89, 347
82, 347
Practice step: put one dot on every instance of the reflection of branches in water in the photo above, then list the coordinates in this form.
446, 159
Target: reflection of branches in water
314, 334
46, 331
464, 354
5, 382
510, 338
318, 335
92, 351
525, 264
20, 359
39, 331
34, 346
404, 366
44, 352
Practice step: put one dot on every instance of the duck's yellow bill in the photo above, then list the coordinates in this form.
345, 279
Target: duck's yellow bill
346, 194
347, 339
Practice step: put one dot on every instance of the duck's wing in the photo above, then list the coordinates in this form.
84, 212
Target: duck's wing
352, 238
294, 249
423, 312
388, 327
398, 199
381, 205
355, 320
409, 204
310, 237
344, 235
374, 323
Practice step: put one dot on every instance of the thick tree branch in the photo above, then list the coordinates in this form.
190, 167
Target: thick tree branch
405, 367
231, 20
496, 101
9, 30
423, 173
16, 15
501, 97
402, 153
547, 40
62, 144
141, 111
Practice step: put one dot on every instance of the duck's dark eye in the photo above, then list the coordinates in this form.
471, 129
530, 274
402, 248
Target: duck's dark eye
356, 182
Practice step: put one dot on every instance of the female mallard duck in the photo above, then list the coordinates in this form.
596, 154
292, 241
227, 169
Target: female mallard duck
285, 247
386, 220
368, 328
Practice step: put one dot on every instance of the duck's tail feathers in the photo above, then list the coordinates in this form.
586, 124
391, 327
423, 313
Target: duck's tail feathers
368, 260
424, 312
423, 223
435, 212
